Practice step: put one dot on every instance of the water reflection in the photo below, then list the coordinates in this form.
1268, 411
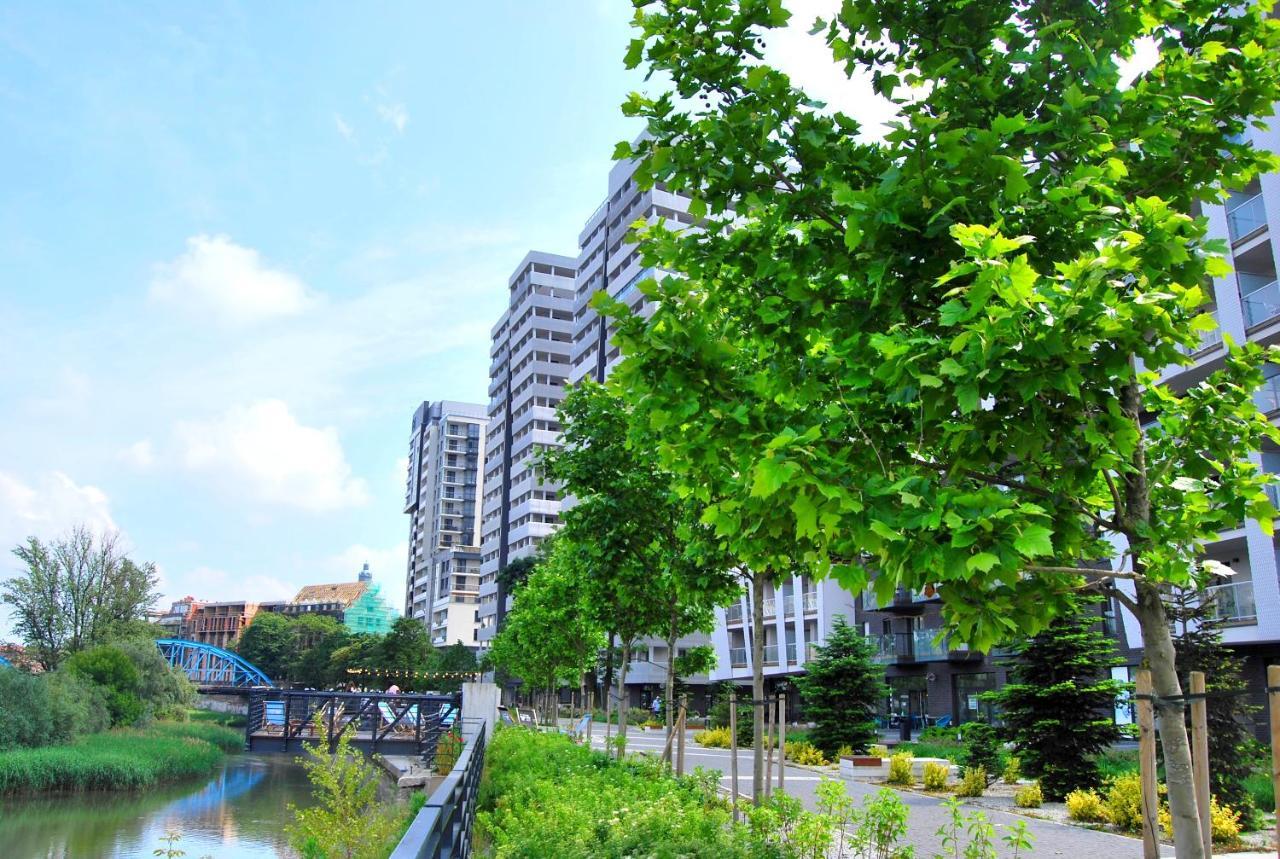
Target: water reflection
240, 812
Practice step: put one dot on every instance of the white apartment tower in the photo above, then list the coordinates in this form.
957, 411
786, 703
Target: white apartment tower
527, 374
446, 449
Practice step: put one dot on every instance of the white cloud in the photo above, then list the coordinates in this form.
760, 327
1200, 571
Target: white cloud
210, 584
387, 565
344, 129
262, 448
140, 454
394, 114
49, 508
219, 277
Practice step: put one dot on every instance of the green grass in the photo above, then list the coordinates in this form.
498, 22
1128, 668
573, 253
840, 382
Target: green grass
1117, 762
1262, 789
122, 759
229, 720
953, 752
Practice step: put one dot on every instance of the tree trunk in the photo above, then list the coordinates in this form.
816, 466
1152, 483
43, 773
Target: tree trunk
671, 677
608, 702
1170, 722
622, 709
757, 687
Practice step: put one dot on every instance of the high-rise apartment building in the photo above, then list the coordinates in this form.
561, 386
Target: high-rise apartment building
446, 449
527, 374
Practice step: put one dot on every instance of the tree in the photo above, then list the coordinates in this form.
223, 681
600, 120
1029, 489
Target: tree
932, 348
645, 571
74, 590
111, 669
405, 651
1199, 647
268, 642
840, 688
551, 636
314, 640
1058, 707
454, 659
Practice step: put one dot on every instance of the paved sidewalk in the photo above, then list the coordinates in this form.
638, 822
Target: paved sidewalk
927, 813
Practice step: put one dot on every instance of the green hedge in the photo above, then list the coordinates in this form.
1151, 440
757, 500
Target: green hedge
119, 759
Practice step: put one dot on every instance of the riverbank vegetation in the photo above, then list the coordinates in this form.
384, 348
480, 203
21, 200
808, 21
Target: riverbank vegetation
120, 759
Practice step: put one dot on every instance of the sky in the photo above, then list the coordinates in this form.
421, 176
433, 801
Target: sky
240, 243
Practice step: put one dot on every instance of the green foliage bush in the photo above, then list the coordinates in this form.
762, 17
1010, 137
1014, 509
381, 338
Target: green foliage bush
1224, 824
166, 693
713, 738
805, 753
900, 769
1012, 770
935, 776
112, 669
973, 782
841, 686
346, 819
981, 747
1087, 807
1124, 801
1029, 796
123, 758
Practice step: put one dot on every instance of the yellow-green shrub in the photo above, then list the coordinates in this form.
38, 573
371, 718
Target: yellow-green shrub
1012, 770
900, 769
1124, 801
878, 751
935, 776
1224, 822
974, 782
1087, 807
713, 738
845, 751
1029, 796
805, 753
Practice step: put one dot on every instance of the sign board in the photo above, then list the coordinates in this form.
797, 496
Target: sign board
504, 716
527, 716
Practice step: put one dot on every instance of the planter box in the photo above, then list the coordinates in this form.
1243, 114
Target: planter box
863, 760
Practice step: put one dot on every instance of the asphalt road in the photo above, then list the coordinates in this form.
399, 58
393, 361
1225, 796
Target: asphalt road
927, 813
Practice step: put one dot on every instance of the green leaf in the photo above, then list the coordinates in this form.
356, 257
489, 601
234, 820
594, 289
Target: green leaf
852, 234
967, 398
983, 561
1034, 541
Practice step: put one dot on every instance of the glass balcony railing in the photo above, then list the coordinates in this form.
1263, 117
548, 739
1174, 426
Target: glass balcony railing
809, 600
771, 654
1245, 217
738, 657
1232, 602
770, 606
1273, 492
886, 647
924, 647
1267, 397
791, 654
788, 605
869, 602
733, 614
1260, 297
1207, 338
810, 651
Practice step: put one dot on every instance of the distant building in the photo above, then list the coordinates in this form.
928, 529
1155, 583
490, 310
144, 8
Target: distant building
331, 600
220, 623
176, 620
370, 613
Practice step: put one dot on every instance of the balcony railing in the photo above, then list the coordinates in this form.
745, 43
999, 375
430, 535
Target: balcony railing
1273, 492
791, 654
788, 605
770, 606
1246, 217
1207, 338
923, 646
733, 614
738, 657
1267, 397
886, 647
810, 601
810, 651
1260, 297
1232, 602
771, 654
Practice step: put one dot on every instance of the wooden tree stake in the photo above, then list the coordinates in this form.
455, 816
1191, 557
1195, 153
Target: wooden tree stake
1147, 763
1273, 702
1200, 757
733, 751
782, 742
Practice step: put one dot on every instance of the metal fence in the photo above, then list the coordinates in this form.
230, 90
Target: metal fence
442, 829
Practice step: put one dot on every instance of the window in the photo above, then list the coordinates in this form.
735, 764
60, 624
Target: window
969, 706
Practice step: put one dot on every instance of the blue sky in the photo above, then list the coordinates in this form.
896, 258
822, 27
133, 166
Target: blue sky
240, 242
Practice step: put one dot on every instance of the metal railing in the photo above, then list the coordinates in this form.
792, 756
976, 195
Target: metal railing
1232, 602
1261, 302
1246, 217
769, 605
770, 654
738, 657
792, 658
733, 614
442, 829
809, 601
1267, 398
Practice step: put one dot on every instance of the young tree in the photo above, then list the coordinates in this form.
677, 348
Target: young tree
347, 819
840, 688
1058, 707
74, 591
1232, 749
268, 642
404, 650
934, 348
455, 658
551, 636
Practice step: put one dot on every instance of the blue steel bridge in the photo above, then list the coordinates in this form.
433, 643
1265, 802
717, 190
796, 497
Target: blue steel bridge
212, 669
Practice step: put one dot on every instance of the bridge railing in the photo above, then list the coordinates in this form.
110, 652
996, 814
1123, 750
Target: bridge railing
279, 718
442, 829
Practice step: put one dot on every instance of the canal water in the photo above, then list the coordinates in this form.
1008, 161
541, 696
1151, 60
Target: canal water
241, 812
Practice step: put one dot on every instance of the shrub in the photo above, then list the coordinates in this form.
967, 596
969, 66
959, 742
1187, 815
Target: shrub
878, 751
1124, 801
900, 769
1087, 807
981, 748
935, 776
845, 752
973, 783
1029, 796
1012, 771
840, 688
165, 691
713, 738
934, 734
1224, 823
805, 753
347, 819
24, 710
112, 669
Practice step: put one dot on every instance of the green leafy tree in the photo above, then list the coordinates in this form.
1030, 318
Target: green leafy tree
840, 688
74, 591
347, 820
1058, 707
1232, 749
165, 691
111, 669
268, 642
930, 353
315, 638
406, 649
357, 661
456, 658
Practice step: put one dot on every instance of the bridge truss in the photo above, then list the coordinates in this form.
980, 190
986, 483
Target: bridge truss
208, 666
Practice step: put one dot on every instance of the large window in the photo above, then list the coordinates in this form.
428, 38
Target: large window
968, 697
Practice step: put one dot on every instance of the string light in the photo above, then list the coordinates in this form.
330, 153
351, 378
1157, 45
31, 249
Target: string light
417, 675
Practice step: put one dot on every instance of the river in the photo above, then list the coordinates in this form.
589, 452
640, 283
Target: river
239, 813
